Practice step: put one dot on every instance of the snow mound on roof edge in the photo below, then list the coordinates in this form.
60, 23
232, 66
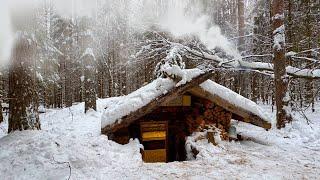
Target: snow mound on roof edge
234, 98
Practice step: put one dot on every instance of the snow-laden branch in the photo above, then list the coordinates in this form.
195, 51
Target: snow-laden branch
291, 71
166, 48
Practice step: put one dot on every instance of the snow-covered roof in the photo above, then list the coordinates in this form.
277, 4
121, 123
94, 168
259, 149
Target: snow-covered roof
145, 95
234, 98
136, 100
161, 86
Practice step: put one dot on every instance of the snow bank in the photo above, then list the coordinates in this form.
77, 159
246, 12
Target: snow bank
69, 136
199, 141
234, 98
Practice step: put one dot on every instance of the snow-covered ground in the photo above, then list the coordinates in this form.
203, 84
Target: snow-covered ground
71, 138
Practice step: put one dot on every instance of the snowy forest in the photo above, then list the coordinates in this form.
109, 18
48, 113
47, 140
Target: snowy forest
75, 73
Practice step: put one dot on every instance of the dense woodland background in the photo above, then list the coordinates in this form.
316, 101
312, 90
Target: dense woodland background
64, 60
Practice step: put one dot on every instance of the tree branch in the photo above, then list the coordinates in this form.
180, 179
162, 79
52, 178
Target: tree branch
164, 46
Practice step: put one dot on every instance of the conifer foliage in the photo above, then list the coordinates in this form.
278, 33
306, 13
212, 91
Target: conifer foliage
22, 85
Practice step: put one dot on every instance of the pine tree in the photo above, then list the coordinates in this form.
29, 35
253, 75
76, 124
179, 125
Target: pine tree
89, 82
22, 86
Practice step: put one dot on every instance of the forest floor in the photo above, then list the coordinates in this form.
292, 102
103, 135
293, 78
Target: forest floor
70, 144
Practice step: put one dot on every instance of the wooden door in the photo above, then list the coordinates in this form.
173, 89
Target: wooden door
154, 137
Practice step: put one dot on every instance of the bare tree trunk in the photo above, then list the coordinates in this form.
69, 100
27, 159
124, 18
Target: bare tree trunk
234, 12
254, 76
1, 96
60, 98
1, 116
281, 78
309, 32
89, 83
22, 87
240, 77
101, 78
68, 84
241, 26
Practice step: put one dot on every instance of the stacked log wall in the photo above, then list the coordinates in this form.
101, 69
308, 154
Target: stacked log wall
207, 113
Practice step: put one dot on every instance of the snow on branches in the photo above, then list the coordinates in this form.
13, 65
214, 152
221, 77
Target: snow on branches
279, 38
172, 64
173, 55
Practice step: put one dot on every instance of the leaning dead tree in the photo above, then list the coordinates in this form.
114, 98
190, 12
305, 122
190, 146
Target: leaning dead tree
22, 86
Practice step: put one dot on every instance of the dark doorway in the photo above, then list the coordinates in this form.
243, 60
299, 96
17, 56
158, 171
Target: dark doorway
177, 136
176, 149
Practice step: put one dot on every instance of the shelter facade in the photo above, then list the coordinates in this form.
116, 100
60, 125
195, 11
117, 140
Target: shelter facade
161, 115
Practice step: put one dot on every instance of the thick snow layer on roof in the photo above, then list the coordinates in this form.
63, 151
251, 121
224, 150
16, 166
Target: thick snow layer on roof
136, 100
233, 98
145, 95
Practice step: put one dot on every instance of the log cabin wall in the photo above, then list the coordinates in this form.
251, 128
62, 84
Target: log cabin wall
205, 113
211, 114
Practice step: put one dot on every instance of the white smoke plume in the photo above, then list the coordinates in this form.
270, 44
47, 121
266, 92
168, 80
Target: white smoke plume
181, 18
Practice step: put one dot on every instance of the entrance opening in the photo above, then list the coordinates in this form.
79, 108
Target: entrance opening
175, 133
177, 137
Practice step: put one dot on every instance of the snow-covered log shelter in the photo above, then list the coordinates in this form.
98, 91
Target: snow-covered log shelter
163, 113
